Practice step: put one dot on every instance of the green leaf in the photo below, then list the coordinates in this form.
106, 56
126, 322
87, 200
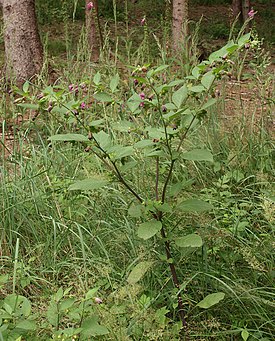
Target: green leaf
91, 293
52, 314
66, 304
103, 139
69, 137
29, 106
244, 39
91, 327
119, 152
211, 300
245, 334
180, 96
114, 83
194, 205
59, 294
135, 211
161, 68
26, 86
97, 78
103, 97
209, 103
144, 143
149, 229
88, 184
198, 155
26, 325
138, 272
208, 79
197, 88
196, 72
191, 240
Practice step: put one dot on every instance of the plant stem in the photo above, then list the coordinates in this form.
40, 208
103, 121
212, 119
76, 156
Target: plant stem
174, 277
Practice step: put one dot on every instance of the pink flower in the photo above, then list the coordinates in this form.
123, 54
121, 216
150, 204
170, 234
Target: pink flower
98, 300
142, 95
71, 87
90, 6
251, 13
142, 21
82, 105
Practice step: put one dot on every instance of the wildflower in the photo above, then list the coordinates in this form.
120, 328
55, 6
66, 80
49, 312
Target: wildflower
163, 108
71, 87
90, 6
135, 82
142, 95
82, 105
251, 13
142, 21
98, 300
141, 104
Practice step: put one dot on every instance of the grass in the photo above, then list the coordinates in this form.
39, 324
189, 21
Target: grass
52, 237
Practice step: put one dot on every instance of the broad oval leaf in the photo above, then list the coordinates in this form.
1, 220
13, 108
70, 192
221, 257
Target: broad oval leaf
208, 79
194, 205
180, 96
91, 327
69, 137
88, 184
26, 325
135, 211
114, 82
198, 155
197, 88
149, 229
191, 240
144, 144
138, 272
209, 103
211, 300
103, 97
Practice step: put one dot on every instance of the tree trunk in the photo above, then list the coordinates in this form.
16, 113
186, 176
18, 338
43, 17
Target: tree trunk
245, 9
92, 28
237, 8
23, 48
179, 26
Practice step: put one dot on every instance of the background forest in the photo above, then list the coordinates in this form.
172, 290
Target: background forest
137, 170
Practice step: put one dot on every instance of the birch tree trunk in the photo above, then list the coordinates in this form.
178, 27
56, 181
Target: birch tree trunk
23, 48
179, 25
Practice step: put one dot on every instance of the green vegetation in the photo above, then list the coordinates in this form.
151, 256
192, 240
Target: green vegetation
118, 174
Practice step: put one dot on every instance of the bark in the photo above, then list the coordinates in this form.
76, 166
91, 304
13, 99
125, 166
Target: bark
93, 29
245, 9
237, 8
180, 20
23, 48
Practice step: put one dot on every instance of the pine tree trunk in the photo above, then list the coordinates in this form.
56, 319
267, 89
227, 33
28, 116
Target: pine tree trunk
180, 20
23, 48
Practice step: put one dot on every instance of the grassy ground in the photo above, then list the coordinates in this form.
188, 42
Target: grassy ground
63, 251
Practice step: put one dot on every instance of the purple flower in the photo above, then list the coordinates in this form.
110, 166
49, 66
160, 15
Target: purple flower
71, 87
82, 105
90, 6
141, 104
251, 13
98, 300
135, 82
142, 95
142, 21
